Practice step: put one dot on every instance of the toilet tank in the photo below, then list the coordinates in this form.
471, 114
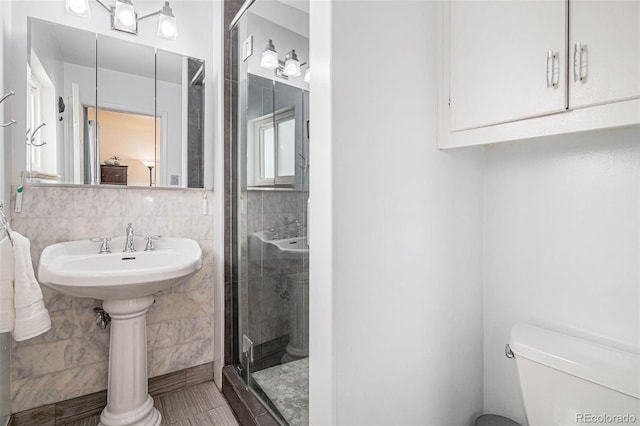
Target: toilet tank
567, 380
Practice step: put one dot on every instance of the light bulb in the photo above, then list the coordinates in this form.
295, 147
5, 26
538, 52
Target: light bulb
292, 68
269, 59
307, 75
291, 64
167, 29
126, 17
77, 7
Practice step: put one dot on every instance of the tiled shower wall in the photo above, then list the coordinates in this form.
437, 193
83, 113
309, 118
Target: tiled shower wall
262, 288
71, 359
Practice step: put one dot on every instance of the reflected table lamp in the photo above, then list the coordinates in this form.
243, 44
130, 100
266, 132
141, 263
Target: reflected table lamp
150, 165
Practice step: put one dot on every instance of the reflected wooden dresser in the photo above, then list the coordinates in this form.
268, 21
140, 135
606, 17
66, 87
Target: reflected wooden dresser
113, 175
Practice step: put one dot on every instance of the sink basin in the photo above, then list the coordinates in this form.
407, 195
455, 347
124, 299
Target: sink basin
75, 268
125, 282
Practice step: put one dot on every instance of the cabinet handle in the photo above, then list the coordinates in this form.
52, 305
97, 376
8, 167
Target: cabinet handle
577, 62
551, 61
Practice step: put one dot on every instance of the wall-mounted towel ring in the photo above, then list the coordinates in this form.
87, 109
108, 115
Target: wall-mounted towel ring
12, 122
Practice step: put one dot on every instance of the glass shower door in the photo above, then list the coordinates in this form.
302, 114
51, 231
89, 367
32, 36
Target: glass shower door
271, 145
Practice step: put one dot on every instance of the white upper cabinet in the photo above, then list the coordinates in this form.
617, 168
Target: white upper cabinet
604, 38
513, 69
508, 60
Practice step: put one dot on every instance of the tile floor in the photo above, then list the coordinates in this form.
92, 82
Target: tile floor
200, 405
287, 385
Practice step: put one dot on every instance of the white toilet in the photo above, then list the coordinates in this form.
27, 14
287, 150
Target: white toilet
566, 380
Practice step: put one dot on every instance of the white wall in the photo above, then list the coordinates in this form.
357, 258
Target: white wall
404, 297
195, 39
561, 248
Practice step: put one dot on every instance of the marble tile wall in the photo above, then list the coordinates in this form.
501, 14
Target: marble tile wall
265, 311
71, 359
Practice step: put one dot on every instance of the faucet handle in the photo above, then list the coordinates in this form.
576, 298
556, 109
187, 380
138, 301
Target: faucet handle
104, 248
149, 239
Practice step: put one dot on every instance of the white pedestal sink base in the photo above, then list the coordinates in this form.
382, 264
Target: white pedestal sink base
128, 400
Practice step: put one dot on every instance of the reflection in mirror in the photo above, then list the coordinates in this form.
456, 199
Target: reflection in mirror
180, 106
195, 130
132, 137
125, 130
62, 79
276, 134
114, 112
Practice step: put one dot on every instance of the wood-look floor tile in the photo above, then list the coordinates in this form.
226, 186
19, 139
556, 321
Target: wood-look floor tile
173, 407
221, 416
205, 397
200, 405
88, 421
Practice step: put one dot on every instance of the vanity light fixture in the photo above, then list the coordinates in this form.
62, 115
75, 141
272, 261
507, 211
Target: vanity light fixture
269, 58
290, 67
124, 17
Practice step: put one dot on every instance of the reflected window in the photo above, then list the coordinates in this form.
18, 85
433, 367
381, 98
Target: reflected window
41, 109
274, 149
36, 119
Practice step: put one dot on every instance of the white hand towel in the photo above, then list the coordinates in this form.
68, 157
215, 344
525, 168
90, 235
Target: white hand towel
7, 313
32, 318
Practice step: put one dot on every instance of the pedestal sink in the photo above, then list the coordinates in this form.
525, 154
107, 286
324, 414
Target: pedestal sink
288, 255
126, 283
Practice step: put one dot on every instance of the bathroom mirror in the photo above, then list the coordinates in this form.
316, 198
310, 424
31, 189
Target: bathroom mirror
107, 111
274, 105
277, 134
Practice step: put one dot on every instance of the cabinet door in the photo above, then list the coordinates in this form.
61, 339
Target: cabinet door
604, 51
499, 65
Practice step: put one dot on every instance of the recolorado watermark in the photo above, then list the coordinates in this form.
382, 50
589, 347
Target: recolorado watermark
604, 418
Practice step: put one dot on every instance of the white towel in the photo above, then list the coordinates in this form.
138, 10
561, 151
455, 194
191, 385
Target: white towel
32, 318
7, 313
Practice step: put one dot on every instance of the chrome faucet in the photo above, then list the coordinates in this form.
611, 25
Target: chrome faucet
128, 246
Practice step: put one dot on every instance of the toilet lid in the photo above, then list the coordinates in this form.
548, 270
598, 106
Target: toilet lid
494, 420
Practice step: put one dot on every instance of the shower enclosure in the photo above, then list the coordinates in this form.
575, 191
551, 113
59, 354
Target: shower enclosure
270, 190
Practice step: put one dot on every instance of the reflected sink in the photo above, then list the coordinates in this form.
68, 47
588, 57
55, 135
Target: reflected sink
285, 253
76, 269
291, 248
